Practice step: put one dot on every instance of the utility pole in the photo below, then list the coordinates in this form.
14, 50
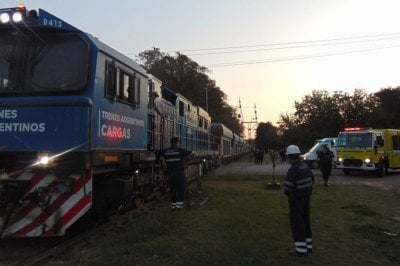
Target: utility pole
252, 123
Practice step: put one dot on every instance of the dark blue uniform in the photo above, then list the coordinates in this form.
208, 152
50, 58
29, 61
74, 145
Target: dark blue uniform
175, 160
325, 157
298, 188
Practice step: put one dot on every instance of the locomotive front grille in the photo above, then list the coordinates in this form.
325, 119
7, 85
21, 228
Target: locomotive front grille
352, 162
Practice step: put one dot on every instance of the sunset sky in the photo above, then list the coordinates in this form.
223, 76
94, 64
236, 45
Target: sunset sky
268, 53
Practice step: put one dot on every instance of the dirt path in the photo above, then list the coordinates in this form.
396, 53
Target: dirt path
390, 182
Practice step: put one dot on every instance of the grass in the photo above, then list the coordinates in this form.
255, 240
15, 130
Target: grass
243, 223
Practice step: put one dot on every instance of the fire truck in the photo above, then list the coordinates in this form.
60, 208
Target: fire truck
368, 150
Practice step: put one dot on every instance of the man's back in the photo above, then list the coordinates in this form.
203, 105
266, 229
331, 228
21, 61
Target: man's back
325, 156
299, 179
175, 158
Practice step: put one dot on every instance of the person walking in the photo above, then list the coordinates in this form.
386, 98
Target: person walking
175, 160
325, 157
298, 188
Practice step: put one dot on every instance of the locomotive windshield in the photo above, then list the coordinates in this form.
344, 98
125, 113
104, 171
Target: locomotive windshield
42, 63
355, 140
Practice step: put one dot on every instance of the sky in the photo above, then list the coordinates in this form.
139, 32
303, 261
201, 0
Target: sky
284, 49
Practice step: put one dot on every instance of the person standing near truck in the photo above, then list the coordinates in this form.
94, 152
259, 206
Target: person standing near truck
325, 157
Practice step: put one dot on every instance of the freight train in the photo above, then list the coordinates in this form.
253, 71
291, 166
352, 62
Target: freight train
80, 124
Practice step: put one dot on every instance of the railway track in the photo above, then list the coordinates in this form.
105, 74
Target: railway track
78, 240
50, 251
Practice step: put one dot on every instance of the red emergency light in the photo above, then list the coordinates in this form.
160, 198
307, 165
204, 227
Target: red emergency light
352, 129
356, 128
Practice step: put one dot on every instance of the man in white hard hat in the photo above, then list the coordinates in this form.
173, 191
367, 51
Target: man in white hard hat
298, 188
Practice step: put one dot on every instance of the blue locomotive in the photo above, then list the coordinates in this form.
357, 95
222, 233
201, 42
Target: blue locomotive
79, 124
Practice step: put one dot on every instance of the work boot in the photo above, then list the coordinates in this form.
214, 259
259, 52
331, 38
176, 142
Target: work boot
179, 205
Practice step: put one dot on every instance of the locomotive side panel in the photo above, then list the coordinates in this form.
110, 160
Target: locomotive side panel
120, 109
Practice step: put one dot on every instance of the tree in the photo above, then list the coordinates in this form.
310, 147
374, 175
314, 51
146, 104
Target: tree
321, 115
267, 136
188, 78
318, 115
358, 109
388, 116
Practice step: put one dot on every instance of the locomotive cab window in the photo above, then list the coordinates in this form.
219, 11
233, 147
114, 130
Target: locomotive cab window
181, 109
42, 62
111, 80
126, 89
136, 93
122, 86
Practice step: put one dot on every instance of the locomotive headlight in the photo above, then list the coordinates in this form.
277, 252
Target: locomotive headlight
4, 18
367, 160
17, 17
340, 159
44, 160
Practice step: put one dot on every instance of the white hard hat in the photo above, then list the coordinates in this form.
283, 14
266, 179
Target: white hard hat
292, 149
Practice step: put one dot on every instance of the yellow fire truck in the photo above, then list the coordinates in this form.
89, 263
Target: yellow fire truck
368, 150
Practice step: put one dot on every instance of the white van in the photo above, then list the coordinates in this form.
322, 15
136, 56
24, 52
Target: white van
311, 156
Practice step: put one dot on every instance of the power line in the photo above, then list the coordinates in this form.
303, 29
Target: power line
292, 47
271, 60
297, 44
287, 43
284, 44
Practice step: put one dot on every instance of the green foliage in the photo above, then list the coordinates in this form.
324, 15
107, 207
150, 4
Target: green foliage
267, 136
389, 112
185, 76
322, 114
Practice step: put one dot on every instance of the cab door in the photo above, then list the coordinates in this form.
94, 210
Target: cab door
394, 153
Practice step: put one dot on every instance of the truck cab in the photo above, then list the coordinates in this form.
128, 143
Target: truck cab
368, 150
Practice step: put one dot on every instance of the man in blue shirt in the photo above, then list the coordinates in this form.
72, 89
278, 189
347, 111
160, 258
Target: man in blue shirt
298, 189
175, 159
